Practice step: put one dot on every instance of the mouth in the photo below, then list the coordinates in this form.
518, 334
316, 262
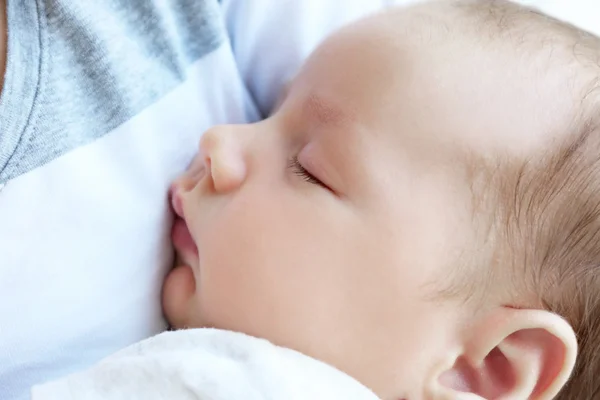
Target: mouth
180, 234
182, 239
176, 202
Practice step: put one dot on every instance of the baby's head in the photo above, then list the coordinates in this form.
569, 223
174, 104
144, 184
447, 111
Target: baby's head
422, 210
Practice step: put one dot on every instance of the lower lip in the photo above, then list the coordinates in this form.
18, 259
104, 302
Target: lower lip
182, 239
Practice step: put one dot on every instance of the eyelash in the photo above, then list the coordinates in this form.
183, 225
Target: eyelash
299, 170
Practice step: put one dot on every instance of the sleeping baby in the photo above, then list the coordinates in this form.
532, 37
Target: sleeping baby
418, 219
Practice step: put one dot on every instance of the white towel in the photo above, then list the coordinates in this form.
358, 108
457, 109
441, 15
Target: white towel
203, 364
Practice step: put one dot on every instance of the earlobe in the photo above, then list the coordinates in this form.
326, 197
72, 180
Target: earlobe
513, 354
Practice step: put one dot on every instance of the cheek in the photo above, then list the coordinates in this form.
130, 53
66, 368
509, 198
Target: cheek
241, 264
265, 258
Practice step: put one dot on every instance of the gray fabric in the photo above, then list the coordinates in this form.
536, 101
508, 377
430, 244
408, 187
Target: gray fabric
77, 69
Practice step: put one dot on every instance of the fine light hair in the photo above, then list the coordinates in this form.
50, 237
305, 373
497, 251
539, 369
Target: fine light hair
544, 211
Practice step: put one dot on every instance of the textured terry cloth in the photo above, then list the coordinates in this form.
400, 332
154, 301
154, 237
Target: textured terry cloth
206, 364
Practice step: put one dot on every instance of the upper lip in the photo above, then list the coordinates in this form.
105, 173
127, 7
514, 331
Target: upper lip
176, 202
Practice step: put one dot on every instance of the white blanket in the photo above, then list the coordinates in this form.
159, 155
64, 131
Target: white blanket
205, 364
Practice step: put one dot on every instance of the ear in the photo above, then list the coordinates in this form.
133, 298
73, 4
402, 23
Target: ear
510, 354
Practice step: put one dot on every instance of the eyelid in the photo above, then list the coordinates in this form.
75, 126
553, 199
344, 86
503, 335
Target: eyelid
307, 159
313, 166
303, 173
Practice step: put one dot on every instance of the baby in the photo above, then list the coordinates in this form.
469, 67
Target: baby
428, 190
421, 212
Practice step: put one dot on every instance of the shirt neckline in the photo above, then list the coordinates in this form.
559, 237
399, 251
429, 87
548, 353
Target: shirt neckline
22, 75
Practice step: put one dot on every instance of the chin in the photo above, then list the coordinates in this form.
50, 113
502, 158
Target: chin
179, 297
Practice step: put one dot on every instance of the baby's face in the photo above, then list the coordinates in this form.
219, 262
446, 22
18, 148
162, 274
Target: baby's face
326, 227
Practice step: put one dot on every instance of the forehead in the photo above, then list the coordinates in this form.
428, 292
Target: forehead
441, 89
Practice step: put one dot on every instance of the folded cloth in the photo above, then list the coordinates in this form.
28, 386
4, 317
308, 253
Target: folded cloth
204, 364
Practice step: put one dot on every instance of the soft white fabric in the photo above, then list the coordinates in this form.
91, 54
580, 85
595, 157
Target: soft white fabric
206, 364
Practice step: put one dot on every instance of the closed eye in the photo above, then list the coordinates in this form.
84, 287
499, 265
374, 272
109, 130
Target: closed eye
299, 170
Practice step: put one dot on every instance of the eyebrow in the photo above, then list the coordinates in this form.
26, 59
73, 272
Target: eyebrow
324, 112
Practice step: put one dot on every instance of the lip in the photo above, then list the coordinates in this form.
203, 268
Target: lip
180, 234
182, 238
176, 203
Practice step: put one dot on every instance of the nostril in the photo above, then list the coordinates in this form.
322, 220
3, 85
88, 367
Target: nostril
205, 165
222, 160
199, 173
196, 165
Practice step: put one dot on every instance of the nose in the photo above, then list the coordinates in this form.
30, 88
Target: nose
223, 155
